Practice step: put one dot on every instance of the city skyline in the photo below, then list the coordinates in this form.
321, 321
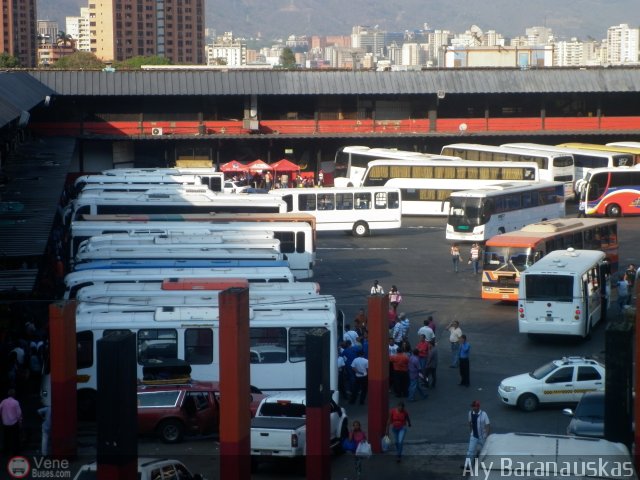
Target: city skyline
277, 19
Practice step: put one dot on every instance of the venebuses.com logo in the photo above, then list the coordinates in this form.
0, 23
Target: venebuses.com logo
38, 467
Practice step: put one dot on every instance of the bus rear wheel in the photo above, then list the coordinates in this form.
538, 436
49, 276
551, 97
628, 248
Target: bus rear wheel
360, 229
614, 210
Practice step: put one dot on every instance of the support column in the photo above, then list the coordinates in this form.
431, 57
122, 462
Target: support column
378, 396
235, 377
318, 394
62, 389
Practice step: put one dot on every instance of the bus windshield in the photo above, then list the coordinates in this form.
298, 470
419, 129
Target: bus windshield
466, 211
508, 259
549, 288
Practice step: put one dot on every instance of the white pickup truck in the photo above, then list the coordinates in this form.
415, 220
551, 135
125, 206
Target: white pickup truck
278, 429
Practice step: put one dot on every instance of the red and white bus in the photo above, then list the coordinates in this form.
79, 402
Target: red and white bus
611, 192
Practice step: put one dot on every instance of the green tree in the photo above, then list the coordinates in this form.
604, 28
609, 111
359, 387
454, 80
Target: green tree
288, 59
135, 63
8, 61
79, 61
64, 39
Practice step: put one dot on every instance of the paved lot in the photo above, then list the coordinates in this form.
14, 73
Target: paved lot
416, 259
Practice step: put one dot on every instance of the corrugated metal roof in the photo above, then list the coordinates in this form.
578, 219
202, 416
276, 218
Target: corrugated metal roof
36, 175
269, 82
19, 92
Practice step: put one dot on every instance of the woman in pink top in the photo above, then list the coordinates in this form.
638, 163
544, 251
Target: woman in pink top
357, 435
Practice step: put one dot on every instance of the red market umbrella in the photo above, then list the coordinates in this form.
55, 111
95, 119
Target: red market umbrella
285, 165
233, 166
258, 166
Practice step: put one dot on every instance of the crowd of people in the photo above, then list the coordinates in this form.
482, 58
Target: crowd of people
412, 369
268, 180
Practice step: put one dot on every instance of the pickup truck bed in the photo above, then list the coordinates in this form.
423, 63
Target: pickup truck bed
278, 423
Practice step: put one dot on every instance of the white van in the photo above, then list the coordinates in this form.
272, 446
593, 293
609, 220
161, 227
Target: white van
535, 455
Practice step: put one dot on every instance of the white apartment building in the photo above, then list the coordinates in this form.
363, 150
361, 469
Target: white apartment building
623, 44
538, 35
414, 54
78, 28
568, 54
227, 51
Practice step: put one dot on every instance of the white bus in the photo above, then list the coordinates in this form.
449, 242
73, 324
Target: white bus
477, 215
131, 292
351, 162
297, 238
192, 334
76, 280
426, 184
96, 182
583, 159
564, 293
171, 202
624, 144
553, 167
204, 252
358, 210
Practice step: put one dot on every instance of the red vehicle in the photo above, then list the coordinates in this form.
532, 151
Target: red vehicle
172, 411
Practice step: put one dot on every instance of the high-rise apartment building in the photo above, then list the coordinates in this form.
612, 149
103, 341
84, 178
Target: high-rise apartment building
623, 44
78, 29
122, 29
18, 30
227, 51
47, 31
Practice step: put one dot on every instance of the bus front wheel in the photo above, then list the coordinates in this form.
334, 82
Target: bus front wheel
360, 229
614, 210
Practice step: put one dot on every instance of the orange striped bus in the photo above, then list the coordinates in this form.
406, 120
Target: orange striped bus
507, 255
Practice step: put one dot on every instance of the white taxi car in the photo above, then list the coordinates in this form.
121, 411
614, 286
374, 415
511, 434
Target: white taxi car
559, 381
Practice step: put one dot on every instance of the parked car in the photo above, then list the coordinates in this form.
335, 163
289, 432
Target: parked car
279, 430
148, 469
175, 410
231, 186
588, 417
557, 382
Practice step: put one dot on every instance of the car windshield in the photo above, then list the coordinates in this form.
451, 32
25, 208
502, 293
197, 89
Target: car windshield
541, 372
591, 406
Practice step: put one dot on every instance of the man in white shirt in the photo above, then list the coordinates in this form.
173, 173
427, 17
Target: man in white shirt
360, 367
376, 288
350, 334
426, 331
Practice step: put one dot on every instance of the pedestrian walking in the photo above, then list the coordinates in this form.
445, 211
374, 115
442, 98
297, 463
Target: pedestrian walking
479, 430
474, 258
623, 292
376, 288
11, 415
395, 298
45, 414
430, 370
455, 257
360, 367
454, 339
397, 423
414, 377
465, 349
630, 275
320, 178
350, 444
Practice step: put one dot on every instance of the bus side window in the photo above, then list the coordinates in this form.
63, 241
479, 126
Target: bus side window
307, 202
325, 201
380, 200
362, 200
